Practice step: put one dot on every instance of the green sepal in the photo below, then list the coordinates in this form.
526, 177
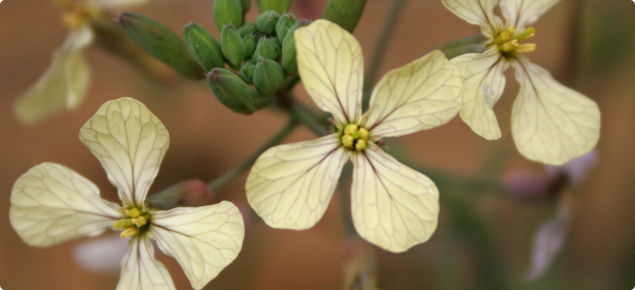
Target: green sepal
345, 13
202, 46
231, 91
247, 72
285, 23
268, 76
232, 45
267, 48
226, 12
248, 28
266, 21
289, 63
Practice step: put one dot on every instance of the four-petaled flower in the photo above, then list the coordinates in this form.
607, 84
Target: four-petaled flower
550, 123
393, 206
51, 204
65, 82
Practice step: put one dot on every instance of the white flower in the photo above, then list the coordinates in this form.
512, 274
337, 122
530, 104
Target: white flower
51, 204
393, 206
551, 123
65, 82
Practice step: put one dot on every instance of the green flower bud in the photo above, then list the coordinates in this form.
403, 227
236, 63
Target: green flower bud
202, 46
346, 13
266, 22
289, 63
267, 48
248, 28
231, 91
246, 5
159, 41
280, 6
250, 44
285, 23
275, 41
226, 12
268, 76
232, 45
247, 72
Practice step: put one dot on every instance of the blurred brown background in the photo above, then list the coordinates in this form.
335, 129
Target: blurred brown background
208, 139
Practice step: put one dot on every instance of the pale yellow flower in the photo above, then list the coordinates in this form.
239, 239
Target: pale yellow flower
52, 203
65, 83
393, 206
551, 123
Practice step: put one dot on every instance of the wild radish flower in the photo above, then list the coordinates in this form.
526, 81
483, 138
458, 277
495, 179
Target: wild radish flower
393, 206
52, 203
551, 123
65, 82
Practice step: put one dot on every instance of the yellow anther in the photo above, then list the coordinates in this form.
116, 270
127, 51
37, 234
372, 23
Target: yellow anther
347, 141
73, 20
508, 46
363, 133
140, 221
525, 48
122, 224
507, 33
350, 129
133, 212
129, 232
360, 145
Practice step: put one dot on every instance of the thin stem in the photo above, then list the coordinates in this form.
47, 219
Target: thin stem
229, 176
380, 49
307, 118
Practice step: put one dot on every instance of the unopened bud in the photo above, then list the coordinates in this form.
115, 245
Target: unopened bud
250, 44
280, 6
345, 13
266, 22
289, 63
267, 48
227, 12
232, 45
284, 24
248, 28
246, 4
247, 72
159, 41
191, 193
202, 46
231, 91
268, 76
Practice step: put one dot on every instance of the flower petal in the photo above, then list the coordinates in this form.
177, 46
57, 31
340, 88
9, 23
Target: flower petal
421, 95
520, 13
130, 143
117, 4
63, 85
140, 270
394, 206
291, 185
331, 65
477, 12
51, 204
483, 86
551, 123
204, 240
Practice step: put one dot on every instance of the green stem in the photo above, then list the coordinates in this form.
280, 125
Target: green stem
229, 176
380, 50
471, 44
307, 118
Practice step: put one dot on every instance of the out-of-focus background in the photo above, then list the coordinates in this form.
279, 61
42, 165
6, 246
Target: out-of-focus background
484, 239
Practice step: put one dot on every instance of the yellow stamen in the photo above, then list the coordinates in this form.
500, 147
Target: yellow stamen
347, 141
360, 145
129, 232
508, 46
525, 48
503, 36
122, 224
527, 34
350, 129
133, 212
140, 221
363, 133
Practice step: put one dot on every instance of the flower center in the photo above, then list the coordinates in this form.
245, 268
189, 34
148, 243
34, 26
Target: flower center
354, 138
508, 43
139, 220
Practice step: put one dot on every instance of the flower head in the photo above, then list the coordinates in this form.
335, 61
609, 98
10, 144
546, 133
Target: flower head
52, 203
65, 82
393, 206
551, 123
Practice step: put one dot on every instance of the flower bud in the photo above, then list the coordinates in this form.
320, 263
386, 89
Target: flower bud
268, 76
246, 4
202, 46
285, 23
159, 41
289, 63
266, 48
231, 91
226, 12
247, 72
248, 28
345, 13
266, 22
280, 6
188, 193
250, 43
232, 45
